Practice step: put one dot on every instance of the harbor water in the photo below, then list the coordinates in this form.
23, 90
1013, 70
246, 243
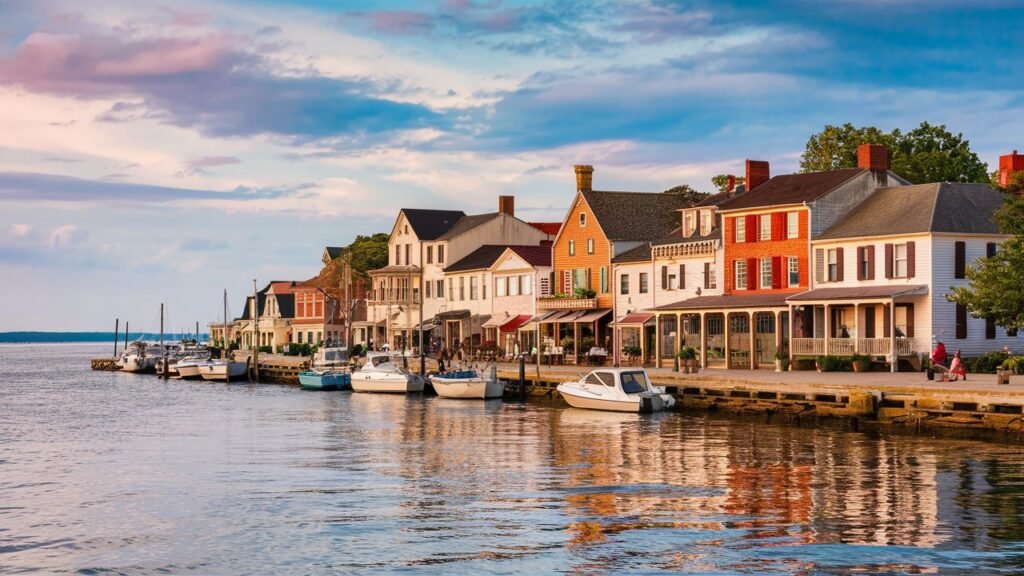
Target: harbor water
116, 473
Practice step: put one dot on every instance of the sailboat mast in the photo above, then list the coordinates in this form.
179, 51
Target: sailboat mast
224, 335
256, 329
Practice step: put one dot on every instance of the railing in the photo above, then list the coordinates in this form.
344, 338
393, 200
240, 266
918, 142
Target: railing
842, 346
873, 346
567, 303
905, 347
850, 346
807, 346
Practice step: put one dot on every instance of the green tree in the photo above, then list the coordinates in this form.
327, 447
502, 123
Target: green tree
721, 182
367, 253
925, 154
995, 286
693, 196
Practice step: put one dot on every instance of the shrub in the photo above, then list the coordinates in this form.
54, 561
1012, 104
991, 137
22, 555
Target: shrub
567, 342
582, 292
1014, 364
803, 364
988, 362
586, 343
862, 362
633, 351
358, 350
687, 353
266, 349
834, 363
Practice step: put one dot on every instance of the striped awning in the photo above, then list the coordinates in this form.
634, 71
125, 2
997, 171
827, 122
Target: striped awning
514, 323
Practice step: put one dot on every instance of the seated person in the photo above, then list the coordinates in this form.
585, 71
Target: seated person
957, 368
939, 358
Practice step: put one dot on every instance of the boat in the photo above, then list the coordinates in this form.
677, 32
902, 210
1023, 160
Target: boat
226, 368
329, 371
618, 390
467, 384
188, 366
139, 357
381, 374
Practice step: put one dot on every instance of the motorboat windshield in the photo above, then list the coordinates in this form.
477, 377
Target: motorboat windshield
634, 382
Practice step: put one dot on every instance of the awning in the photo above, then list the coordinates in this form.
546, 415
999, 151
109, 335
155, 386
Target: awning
496, 321
453, 314
365, 323
860, 293
514, 323
427, 326
592, 316
530, 326
558, 316
635, 319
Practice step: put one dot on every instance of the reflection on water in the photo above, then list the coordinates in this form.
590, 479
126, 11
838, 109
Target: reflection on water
103, 472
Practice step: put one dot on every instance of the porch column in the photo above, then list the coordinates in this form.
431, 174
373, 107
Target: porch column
728, 351
643, 346
828, 329
657, 341
792, 335
892, 334
778, 330
575, 340
856, 328
703, 342
679, 331
753, 342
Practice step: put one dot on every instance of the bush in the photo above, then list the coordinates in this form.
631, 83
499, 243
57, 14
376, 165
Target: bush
266, 349
633, 351
584, 293
586, 343
803, 364
567, 343
1014, 364
358, 350
687, 353
301, 350
988, 362
834, 363
863, 363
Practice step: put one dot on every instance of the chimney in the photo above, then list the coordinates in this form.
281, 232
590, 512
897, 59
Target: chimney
1008, 165
874, 157
507, 205
584, 177
731, 186
757, 174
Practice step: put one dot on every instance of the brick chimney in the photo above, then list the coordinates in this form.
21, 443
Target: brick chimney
757, 173
507, 205
731, 187
874, 157
1008, 165
584, 177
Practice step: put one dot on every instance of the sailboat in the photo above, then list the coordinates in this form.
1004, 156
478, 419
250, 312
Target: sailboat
224, 369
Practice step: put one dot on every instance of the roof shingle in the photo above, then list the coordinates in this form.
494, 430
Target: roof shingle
429, 224
635, 216
792, 189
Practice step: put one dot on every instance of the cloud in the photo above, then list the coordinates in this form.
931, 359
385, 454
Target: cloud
199, 165
15, 231
202, 245
397, 22
34, 187
68, 236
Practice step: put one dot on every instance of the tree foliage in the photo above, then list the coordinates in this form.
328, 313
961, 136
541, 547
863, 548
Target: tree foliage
928, 153
721, 182
692, 196
365, 253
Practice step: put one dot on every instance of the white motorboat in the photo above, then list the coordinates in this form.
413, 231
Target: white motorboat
223, 370
618, 390
189, 366
381, 374
139, 357
467, 384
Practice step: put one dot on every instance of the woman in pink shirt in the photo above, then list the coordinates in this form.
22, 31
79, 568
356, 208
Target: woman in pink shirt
957, 369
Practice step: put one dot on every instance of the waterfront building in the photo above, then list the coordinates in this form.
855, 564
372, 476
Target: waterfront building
421, 245
882, 273
766, 234
598, 227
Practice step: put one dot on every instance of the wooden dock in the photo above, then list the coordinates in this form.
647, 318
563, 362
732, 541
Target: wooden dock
106, 364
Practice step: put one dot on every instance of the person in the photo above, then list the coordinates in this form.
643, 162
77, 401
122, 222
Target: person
939, 358
440, 358
957, 369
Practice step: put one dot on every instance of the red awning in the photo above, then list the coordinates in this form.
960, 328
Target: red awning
634, 319
515, 322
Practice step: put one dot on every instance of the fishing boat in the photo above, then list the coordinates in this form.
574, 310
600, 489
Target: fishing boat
468, 384
381, 374
329, 371
618, 390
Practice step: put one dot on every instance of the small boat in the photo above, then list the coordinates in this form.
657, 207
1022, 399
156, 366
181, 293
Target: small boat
188, 367
467, 384
329, 371
139, 357
618, 390
381, 374
223, 370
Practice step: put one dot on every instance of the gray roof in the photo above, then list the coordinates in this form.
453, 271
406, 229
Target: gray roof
860, 292
467, 223
676, 237
641, 253
334, 251
636, 216
792, 189
727, 301
922, 208
429, 224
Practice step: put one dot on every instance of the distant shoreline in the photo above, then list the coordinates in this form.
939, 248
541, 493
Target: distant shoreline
28, 337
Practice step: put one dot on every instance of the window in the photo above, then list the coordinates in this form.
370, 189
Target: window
526, 284
792, 224
643, 282
604, 280
689, 224
961, 321
863, 263
583, 219
572, 247
398, 255
408, 250
710, 277
624, 284
430, 254
990, 329
705, 222
513, 285
502, 286
406, 228
766, 273
959, 260
462, 288
741, 229
990, 249
766, 227
440, 254
741, 274
900, 261
671, 281
794, 271
833, 265
440, 288
428, 285
590, 245
451, 290
472, 287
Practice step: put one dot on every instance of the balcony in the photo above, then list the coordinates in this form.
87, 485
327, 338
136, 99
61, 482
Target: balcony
851, 346
567, 303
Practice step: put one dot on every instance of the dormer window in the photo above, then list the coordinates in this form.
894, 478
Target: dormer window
689, 224
583, 219
705, 222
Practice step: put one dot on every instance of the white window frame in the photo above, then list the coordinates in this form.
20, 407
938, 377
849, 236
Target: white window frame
764, 227
644, 283
897, 261
500, 286
572, 247
705, 222
526, 285
513, 285
689, 224
741, 229
583, 219
832, 260
766, 274
472, 287
623, 284
793, 267
440, 254
792, 225
740, 274
590, 245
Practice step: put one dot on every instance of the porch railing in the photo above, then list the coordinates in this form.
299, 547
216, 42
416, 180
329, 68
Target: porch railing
808, 346
850, 346
567, 303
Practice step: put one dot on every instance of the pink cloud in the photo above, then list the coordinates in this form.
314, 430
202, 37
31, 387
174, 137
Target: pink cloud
399, 21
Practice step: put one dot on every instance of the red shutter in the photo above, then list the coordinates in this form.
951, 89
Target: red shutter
861, 252
910, 320
871, 262
910, 259
752, 229
888, 260
777, 272
752, 272
779, 226
839, 264
734, 221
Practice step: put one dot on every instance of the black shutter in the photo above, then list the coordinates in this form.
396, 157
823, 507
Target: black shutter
990, 329
961, 322
861, 252
888, 260
960, 260
707, 275
682, 276
990, 249
911, 260
664, 277
869, 321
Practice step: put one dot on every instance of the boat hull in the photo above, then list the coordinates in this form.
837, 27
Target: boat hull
477, 388
223, 371
386, 383
592, 403
328, 381
138, 365
189, 371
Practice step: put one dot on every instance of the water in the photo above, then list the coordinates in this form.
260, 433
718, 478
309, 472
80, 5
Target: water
117, 473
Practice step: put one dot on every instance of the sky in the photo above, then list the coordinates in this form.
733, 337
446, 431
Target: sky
166, 151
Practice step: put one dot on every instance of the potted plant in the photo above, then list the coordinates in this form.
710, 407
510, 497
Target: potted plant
632, 352
781, 357
861, 363
688, 355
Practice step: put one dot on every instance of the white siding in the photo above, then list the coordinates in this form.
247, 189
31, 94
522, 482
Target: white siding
634, 301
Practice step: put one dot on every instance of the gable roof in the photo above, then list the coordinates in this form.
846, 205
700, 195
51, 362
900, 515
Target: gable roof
429, 224
286, 305
486, 255
635, 216
534, 255
641, 253
676, 237
549, 228
467, 223
937, 207
792, 189
333, 251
